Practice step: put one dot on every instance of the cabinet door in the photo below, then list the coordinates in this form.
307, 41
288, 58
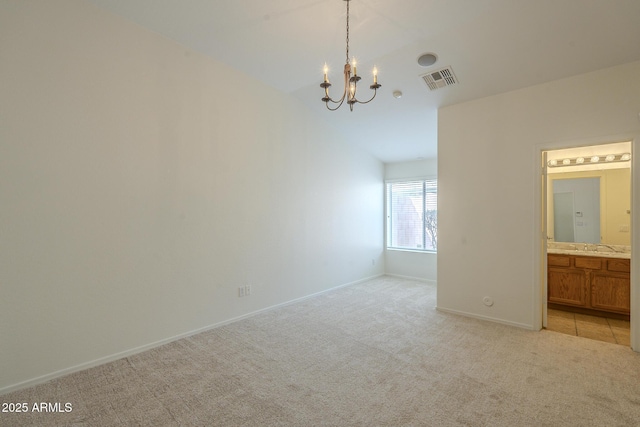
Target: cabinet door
567, 286
610, 292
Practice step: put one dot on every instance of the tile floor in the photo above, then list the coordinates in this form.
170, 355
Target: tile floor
582, 325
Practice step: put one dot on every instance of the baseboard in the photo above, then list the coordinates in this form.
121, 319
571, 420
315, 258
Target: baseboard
293, 301
111, 358
488, 318
417, 279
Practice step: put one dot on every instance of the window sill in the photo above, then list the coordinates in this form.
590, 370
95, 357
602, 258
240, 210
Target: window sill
418, 251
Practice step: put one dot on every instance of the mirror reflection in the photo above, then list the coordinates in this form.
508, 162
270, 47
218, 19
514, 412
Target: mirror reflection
576, 210
589, 203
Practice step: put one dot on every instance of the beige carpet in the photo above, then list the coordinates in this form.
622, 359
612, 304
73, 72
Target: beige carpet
372, 354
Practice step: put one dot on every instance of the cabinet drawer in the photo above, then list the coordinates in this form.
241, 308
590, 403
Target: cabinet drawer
622, 265
591, 263
558, 260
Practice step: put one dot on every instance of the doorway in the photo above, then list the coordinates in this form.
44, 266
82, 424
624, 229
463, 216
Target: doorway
586, 221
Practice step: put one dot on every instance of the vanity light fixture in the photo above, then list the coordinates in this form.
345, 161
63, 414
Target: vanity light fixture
610, 158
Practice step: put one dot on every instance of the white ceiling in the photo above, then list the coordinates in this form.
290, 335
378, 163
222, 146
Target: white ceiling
493, 46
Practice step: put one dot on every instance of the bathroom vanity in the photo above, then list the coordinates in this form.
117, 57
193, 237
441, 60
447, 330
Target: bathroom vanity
591, 282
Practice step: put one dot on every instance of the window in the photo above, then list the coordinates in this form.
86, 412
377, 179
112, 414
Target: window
412, 220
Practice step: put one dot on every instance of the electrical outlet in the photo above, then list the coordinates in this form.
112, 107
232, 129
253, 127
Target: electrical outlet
247, 290
241, 291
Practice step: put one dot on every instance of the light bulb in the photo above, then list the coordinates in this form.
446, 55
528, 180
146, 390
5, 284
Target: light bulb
625, 157
610, 158
553, 162
580, 160
595, 159
566, 162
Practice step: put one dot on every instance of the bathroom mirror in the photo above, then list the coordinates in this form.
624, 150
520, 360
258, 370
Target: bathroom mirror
590, 206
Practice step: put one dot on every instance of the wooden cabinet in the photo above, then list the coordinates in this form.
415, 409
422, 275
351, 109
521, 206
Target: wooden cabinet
610, 292
590, 283
568, 287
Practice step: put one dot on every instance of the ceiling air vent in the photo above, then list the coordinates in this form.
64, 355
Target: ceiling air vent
440, 78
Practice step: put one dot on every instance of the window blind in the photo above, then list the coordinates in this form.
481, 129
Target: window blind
412, 214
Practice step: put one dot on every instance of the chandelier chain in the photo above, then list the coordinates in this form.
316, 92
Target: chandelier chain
348, 31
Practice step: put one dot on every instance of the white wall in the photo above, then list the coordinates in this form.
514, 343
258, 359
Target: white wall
141, 183
412, 264
489, 185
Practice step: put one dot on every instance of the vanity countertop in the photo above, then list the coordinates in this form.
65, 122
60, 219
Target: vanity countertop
603, 254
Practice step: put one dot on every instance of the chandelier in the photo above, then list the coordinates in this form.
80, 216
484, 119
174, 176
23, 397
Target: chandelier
350, 81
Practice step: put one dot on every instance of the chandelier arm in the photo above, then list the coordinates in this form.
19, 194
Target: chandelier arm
336, 107
375, 91
328, 99
339, 101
